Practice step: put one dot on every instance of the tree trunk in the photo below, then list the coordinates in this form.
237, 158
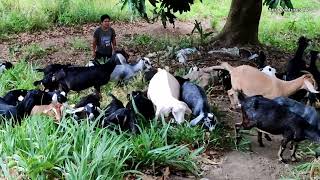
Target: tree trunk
242, 23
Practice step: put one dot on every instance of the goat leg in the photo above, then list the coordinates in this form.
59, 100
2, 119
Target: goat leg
293, 149
260, 139
238, 127
283, 145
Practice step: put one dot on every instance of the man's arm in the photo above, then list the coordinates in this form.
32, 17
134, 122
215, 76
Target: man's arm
94, 47
114, 44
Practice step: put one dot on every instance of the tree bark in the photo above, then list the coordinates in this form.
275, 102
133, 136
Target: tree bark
242, 23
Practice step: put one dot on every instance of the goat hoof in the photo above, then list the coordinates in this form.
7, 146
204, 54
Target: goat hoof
261, 145
294, 159
283, 161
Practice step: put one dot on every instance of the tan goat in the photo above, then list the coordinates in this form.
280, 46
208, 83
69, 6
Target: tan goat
251, 81
53, 110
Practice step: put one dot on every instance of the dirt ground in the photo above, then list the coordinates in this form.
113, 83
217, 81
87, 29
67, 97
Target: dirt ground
261, 163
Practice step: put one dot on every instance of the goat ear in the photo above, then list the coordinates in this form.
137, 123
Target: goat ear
310, 87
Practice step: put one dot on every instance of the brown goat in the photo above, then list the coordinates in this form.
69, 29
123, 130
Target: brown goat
53, 110
251, 81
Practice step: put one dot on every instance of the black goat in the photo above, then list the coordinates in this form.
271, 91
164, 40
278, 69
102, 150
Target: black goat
15, 96
297, 63
314, 55
114, 105
143, 104
195, 97
80, 78
269, 116
117, 114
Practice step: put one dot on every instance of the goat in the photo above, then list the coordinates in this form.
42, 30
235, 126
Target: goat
163, 91
123, 117
14, 96
143, 104
80, 78
314, 55
127, 71
269, 116
53, 110
5, 66
195, 97
117, 114
88, 106
33, 97
203, 77
297, 64
252, 82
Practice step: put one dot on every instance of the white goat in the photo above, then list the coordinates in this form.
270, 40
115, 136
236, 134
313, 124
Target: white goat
252, 82
164, 91
127, 71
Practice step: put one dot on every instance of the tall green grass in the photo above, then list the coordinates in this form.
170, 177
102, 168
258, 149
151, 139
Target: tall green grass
30, 15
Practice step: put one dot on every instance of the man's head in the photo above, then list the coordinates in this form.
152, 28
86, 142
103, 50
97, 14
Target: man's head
105, 21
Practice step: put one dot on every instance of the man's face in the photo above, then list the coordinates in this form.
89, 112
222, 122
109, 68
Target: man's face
106, 23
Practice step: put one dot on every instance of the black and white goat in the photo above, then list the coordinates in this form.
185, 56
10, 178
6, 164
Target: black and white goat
88, 106
5, 66
195, 97
269, 116
33, 97
80, 78
127, 71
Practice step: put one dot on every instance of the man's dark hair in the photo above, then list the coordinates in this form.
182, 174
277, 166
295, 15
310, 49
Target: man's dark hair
105, 16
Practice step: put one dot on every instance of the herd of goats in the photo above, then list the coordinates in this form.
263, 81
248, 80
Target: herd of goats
279, 104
